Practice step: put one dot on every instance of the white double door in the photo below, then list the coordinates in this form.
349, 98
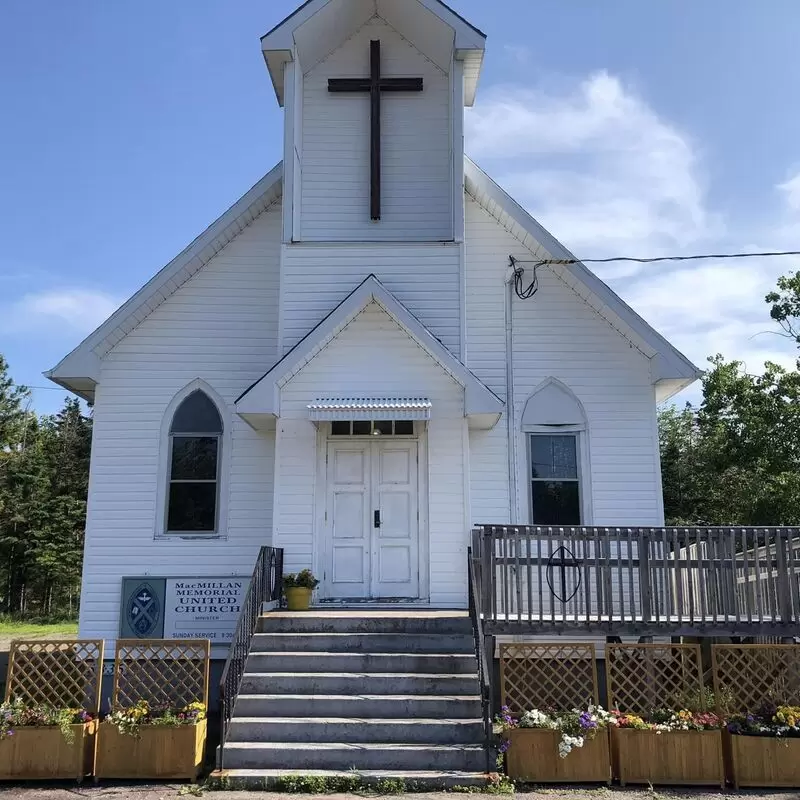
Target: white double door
372, 520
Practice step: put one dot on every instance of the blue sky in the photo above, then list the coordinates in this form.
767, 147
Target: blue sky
629, 128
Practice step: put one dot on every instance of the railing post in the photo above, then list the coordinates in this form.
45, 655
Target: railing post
645, 589
782, 582
487, 575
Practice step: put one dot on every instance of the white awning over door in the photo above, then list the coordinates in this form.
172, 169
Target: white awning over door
370, 409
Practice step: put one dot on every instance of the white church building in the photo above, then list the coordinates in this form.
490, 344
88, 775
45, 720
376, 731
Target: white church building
341, 365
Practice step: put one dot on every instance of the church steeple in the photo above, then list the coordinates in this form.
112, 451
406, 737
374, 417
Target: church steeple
357, 168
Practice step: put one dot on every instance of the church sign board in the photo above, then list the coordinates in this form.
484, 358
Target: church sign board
182, 608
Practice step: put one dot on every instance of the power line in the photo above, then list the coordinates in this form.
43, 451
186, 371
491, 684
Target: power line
717, 256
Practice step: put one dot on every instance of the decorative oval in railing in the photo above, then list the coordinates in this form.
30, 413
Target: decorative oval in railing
563, 559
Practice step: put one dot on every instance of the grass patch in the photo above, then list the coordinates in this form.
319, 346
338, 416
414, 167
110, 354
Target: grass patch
15, 628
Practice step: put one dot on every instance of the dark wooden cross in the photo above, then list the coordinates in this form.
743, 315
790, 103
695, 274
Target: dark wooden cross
375, 84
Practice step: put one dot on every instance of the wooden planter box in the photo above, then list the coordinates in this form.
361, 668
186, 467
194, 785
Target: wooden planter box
765, 761
44, 753
533, 758
673, 757
156, 752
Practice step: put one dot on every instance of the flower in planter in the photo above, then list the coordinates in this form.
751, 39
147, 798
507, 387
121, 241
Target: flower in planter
129, 720
780, 721
575, 726
17, 714
665, 720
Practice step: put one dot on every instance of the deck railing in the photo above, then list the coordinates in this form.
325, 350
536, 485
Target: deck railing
725, 581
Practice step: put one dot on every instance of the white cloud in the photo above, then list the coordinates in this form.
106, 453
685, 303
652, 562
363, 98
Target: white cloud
791, 192
519, 54
716, 307
596, 165
79, 310
609, 176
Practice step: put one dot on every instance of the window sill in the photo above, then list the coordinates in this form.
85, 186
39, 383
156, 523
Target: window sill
192, 537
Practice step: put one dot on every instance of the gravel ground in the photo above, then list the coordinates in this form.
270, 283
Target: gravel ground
172, 791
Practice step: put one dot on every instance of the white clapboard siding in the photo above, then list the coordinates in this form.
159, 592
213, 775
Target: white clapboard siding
556, 334
221, 327
373, 356
416, 147
424, 277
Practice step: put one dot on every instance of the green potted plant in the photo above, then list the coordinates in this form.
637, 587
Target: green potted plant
298, 588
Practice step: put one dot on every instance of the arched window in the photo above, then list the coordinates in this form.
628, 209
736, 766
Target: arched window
555, 424
195, 444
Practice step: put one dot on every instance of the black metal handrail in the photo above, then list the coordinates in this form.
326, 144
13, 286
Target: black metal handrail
484, 677
265, 587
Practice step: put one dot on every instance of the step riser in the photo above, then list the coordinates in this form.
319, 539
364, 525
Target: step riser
275, 780
362, 643
408, 626
361, 662
346, 758
358, 708
357, 684
356, 732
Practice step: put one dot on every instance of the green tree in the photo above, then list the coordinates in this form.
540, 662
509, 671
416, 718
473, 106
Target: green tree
44, 469
736, 458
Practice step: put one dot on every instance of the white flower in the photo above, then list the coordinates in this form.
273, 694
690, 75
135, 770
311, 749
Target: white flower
568, 744
537, 719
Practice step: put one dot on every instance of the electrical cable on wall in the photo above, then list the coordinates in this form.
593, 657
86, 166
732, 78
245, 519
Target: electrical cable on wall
523, 292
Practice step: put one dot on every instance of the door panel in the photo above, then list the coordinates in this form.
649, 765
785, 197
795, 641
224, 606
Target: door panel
347, 571
395, 545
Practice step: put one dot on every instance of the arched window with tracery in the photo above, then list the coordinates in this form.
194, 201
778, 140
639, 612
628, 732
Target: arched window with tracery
195, 451
554, 422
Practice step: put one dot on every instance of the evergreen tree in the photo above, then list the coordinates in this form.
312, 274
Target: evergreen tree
44, 471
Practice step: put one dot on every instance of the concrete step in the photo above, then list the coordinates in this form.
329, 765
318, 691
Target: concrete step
408, 623
308, 756
414, 780
360, 706
428, 663
355, 731
362, 643
357, 683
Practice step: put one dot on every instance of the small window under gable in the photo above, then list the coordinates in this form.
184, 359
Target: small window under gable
555, 425
195, 443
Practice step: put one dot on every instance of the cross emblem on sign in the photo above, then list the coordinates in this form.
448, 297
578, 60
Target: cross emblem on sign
375, 84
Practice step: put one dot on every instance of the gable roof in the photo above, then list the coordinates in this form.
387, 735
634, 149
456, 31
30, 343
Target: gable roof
260, 404
80, 370
671, 370
317, 27
305, 7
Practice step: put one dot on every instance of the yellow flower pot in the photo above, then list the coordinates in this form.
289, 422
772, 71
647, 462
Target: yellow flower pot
298, 598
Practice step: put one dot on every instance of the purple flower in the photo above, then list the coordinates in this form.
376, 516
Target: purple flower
504, 745
586, 722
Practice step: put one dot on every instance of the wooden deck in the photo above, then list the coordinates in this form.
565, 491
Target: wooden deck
645, 581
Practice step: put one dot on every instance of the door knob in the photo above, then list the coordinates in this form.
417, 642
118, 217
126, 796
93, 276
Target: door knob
378, 518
